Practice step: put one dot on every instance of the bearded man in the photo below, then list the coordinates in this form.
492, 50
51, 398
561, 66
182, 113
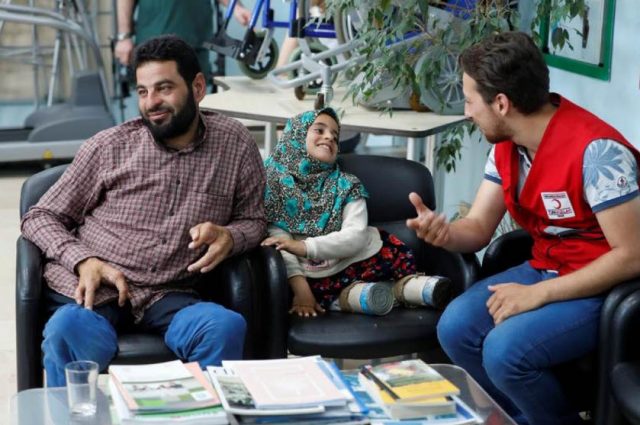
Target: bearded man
145, 208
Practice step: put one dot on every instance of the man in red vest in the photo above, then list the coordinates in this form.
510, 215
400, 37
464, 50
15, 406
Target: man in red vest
571, 181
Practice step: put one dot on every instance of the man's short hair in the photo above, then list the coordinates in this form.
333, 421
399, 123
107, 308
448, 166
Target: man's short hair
168, 48
509, 63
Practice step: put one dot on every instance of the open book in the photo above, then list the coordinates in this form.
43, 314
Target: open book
163, 387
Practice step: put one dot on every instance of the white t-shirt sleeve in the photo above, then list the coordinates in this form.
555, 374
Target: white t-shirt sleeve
490, 169
291, 261
346, 242
609, 174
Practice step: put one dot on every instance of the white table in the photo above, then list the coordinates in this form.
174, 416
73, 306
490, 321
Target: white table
261, 100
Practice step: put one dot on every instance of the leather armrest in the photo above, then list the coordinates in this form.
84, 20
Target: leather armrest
625, 379
232, 285
254, 284
508, 250
29, 320
274, 302
621, 340
621, 319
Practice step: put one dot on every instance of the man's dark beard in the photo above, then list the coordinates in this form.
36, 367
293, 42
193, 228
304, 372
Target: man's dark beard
178, 124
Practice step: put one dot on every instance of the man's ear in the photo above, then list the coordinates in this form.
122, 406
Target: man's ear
199, 86
502, 104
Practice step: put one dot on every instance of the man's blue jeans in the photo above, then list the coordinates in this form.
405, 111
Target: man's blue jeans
512, 361
194, 330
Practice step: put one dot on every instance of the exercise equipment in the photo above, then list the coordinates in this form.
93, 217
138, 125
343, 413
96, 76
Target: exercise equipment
56, 131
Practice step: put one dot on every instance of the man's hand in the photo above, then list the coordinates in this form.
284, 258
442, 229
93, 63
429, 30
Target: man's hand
282, 243
220, 244
93, 272
509, 299
242, 14
429, 226
304, 303
124, 50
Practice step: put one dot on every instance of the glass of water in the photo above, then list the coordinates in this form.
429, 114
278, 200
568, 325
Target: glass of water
82, 384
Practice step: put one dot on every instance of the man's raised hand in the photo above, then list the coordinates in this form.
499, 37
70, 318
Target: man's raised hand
220, 243
431, 227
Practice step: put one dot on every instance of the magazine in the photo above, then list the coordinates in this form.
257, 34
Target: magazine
287, 383
163, 387
236, 398
204, 416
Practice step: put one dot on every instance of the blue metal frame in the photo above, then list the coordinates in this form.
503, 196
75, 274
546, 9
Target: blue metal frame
262, 7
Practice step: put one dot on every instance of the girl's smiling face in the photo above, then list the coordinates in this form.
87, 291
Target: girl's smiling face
322, 139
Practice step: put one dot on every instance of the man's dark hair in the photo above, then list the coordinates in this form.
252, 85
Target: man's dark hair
168, 48
509, 63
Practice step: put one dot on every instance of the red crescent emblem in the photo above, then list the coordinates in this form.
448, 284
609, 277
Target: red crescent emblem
556, 204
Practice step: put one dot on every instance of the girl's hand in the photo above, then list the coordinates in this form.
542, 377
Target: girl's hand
302, 309
282, 243
304, 303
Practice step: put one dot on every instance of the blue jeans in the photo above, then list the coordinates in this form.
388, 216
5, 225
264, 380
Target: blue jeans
194, 330
512, 361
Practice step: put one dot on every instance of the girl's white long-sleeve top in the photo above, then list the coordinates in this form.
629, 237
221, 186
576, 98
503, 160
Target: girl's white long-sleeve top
331, 253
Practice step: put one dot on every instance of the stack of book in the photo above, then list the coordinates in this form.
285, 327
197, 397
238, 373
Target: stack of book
412, 390
171, 392
305, 390
294, 391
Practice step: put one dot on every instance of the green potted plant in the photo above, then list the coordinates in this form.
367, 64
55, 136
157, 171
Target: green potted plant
424, 69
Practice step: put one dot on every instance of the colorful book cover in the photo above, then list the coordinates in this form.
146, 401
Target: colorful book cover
214, 415
169, 386
410, 380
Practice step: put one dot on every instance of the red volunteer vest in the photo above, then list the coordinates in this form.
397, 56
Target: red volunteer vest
553, 192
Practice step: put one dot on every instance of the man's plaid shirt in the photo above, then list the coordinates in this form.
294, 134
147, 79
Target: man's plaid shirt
131, 202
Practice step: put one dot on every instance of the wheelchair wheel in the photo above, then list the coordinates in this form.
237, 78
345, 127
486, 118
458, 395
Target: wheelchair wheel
313, 86
260, 68
347, 23
444, 96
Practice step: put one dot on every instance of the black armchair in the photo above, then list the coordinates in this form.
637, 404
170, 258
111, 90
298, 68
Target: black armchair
625, 358
403, 331
586, 380
240, 284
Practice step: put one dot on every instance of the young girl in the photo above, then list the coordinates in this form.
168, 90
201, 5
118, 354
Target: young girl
317, 218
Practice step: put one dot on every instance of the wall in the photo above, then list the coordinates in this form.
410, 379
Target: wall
616, 101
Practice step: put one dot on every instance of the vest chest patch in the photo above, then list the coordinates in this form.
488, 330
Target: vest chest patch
557, 205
